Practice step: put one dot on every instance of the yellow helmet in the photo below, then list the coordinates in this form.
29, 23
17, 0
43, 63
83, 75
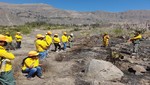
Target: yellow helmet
7, 33
65, 33
3, 38
18, 33
49, 32
55, 34
33, 53
39, 36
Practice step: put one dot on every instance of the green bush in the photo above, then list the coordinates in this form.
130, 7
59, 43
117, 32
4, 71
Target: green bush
12, 30
76, 29
28, 27
117, 31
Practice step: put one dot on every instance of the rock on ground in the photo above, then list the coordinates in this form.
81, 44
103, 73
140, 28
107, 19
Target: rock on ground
102, 70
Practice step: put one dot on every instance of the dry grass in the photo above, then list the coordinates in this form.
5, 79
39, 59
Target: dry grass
59, 57
46, 66
17, 67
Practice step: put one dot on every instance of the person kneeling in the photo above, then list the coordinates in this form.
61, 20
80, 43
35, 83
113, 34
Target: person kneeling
31, 66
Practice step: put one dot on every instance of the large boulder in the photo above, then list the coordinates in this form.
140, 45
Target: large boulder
102, 71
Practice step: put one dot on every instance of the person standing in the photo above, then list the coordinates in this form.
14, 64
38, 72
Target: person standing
56, 42
48, 39
136, 41
70, 40
6, 74
41, 46
9, 42
18, 38
106, 40
64, 39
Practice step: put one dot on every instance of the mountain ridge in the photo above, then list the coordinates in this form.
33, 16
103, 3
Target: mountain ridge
17, 14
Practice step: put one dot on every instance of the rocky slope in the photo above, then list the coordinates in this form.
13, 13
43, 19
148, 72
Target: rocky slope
15, 14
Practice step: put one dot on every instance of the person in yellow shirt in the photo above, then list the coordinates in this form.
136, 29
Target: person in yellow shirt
64, 39
136, 41
10, 45
6, 75
70, 40
31, 65
48, 39
18, 39
56, 42
106, 40
41, 46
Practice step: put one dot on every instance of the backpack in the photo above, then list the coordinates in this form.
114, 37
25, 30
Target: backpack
23, 61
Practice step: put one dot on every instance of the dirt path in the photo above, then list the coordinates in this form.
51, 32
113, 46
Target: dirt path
56, 73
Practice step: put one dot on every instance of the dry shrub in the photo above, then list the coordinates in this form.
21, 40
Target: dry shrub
59, 57
46, 66
17, 67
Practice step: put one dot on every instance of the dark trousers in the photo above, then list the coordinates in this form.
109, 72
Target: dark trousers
57, 45
18, 44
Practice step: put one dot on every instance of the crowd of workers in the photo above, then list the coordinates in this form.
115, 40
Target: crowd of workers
30, 64
43, 43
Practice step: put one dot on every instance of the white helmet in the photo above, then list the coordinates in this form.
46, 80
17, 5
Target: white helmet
71, 34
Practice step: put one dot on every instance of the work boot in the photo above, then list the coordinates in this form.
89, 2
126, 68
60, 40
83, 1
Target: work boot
30, 78
41, 77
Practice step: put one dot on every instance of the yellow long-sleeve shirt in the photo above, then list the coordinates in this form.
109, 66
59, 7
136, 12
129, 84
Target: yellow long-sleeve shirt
30, 62
64, 38
6, 55
106, 38
48, 39
137, 37
9, 39
41, 45
70, 39
18, 37
56, 40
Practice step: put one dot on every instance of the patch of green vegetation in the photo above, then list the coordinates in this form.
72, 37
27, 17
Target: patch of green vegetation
60, 26
28, 27
24, 29
118, 31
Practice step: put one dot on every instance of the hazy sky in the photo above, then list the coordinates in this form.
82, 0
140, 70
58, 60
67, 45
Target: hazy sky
91, 5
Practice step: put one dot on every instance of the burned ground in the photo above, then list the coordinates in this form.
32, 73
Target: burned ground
69, 67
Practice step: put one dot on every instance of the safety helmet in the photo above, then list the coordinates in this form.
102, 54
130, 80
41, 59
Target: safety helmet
18, 33
49, 33
33, 53
7, 33
71, 34
65, 33
55, 34
3, 38
39, 36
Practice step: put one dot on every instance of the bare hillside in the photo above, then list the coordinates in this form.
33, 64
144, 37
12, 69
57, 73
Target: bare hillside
16, 14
